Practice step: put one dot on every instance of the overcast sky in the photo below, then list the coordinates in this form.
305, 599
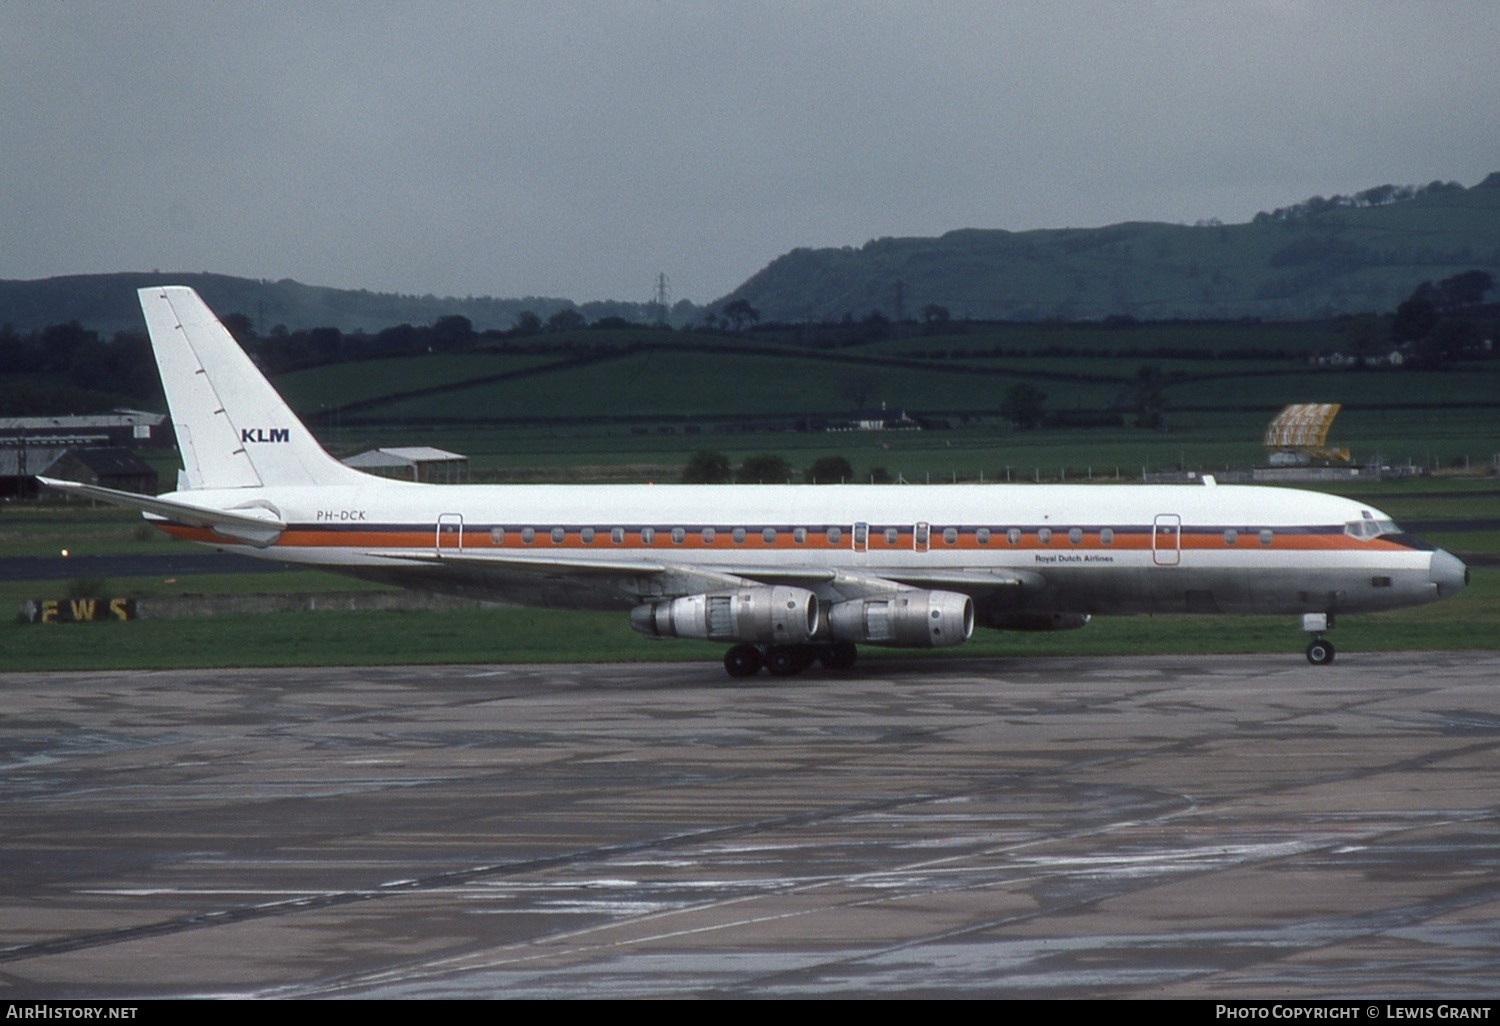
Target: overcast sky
577, 149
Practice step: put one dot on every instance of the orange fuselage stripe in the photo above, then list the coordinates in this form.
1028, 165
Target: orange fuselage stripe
1136, 539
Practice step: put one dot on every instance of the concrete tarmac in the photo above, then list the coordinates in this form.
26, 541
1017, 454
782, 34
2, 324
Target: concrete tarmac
1225, 827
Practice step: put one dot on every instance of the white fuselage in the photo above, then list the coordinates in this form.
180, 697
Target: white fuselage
1076, 548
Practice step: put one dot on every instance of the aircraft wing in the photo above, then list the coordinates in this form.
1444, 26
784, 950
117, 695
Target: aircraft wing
255, 526
675, 579
636, 576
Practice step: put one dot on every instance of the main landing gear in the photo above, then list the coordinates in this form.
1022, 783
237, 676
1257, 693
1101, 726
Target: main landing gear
1320, 651
786, 660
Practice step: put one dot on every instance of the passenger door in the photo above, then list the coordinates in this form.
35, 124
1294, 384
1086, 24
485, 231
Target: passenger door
1166, 539
450, 533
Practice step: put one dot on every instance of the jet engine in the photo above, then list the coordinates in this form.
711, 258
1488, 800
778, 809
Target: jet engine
905, 619
770, 615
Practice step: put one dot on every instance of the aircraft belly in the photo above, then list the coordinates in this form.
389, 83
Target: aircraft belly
1218, 590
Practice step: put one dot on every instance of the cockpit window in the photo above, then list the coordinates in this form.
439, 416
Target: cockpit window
1368, 527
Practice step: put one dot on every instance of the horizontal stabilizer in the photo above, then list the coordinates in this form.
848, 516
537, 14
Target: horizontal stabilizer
255, 526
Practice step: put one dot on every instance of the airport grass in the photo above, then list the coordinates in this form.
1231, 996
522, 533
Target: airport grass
282, 582
1207, 439
334, 385
50, 527
510, 635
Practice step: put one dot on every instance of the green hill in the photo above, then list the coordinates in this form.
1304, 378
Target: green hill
107, 303
1315, 259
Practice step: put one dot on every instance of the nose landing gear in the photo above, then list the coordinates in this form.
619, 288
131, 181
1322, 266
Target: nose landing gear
1320, 651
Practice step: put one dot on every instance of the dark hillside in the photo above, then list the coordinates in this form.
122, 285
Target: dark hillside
1319, 258
107, 303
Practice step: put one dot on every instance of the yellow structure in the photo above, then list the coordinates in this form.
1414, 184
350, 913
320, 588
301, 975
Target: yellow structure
1298, 433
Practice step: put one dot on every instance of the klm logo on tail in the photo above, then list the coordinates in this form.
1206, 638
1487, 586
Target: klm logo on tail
265, 435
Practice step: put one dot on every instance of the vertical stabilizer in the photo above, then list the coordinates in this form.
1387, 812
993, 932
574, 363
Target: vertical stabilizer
233, 428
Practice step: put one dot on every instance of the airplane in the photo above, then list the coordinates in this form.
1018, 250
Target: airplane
784, 574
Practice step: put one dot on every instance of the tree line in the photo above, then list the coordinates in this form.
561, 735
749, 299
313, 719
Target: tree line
1379, 196
710, 467
66, 368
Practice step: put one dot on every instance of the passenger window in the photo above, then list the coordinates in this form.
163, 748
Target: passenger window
497, 536
586, 536
800, 535
1013, 536
1267, 536
678, 534
1231, 536
617, 535
1075, 535
739, 536
982, 536
892, 536
708, 535
835, 535
558, 535
768, 535
528, 535
1044, 536
1106, 536
648, 535
950, 536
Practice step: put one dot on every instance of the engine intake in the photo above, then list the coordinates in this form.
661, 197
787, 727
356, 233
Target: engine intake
905, 619
772, 615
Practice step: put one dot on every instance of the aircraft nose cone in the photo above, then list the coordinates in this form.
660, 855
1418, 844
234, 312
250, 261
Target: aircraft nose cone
1448, 573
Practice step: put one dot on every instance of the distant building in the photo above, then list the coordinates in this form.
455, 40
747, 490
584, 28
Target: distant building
108, 467
120, 427
413, 463
19, 465
876, 420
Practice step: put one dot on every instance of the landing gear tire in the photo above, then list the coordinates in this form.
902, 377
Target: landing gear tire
742, 661
1320, 652
839, 655
785, 660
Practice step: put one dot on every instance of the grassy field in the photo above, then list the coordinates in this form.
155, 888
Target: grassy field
1203, 441
639, 414
343, 383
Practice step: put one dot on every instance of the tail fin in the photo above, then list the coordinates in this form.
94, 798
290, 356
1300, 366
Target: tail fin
233, 428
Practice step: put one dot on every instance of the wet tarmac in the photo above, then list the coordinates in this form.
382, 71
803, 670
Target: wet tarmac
1163, 827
